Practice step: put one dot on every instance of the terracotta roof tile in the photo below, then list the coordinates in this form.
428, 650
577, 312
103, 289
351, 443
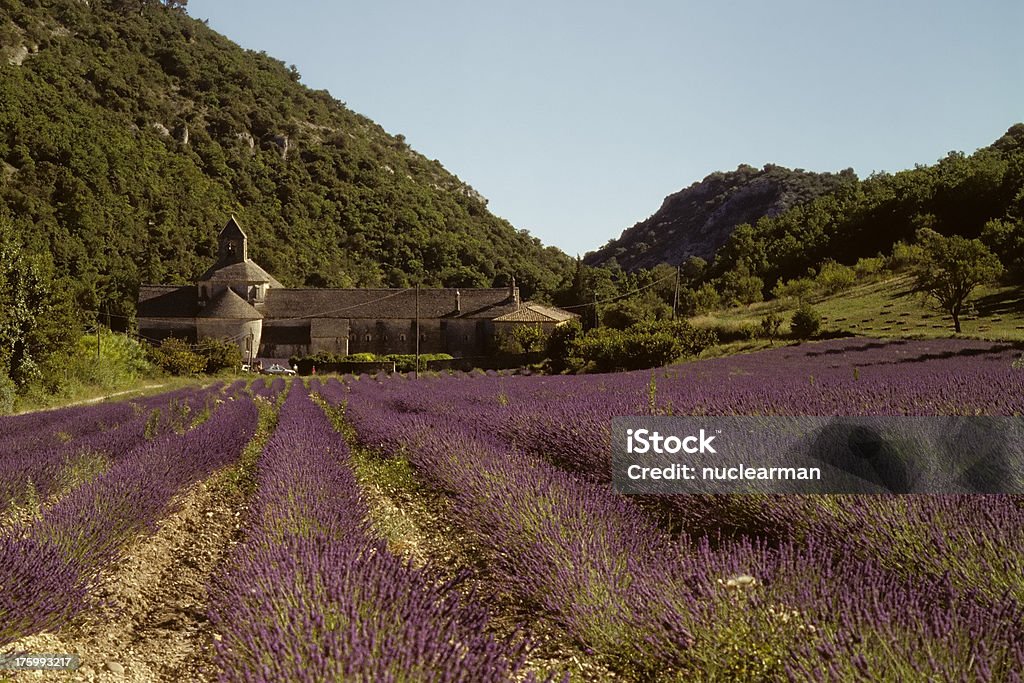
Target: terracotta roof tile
537, 313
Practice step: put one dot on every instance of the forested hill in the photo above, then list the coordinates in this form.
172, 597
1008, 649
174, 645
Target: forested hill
130, 131
697, 220
973, 195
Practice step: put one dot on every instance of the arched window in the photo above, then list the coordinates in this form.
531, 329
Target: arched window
401, 337
368, 337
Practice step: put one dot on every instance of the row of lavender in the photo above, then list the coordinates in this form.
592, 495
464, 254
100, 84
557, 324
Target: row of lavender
565, 420
48, 565
312, 595
614, 580
42, 454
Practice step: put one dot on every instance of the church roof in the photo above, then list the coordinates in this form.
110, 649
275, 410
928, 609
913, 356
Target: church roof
383, 304
229, 305
246, 271
168, 301
537, 313
232, 230
301, 305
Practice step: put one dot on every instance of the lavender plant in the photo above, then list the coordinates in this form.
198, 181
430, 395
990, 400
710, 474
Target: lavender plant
311, 595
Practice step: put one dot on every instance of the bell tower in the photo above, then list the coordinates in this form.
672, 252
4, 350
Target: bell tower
232, 244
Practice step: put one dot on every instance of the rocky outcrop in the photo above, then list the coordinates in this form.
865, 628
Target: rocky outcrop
697, 220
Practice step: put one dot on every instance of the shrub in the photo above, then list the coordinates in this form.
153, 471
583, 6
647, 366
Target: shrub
176, 356
644, 345
560, 345
726, 333
8, 394
797, 288
740, 287
867, 267
834, 277
770, 325
219, 354
706, 298
522, 339
121, 360
904, 256
806, 322
406, 362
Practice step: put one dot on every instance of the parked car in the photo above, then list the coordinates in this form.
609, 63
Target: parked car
276, 369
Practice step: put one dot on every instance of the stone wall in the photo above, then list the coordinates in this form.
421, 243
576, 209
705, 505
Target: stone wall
330, 335
238, 331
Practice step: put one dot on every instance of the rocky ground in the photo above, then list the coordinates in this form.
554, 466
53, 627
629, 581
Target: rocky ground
149, 623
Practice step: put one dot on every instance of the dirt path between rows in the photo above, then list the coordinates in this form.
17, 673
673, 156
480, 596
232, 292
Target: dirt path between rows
94, 399
417, 524
150, 623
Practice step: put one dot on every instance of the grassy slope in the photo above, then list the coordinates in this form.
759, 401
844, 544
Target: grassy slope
887, 308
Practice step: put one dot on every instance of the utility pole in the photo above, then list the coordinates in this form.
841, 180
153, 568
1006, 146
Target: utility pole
97, 337
597, 318
417, 330
675, 297
252, 339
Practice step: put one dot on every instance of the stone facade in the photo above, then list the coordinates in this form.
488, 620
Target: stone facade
236, 299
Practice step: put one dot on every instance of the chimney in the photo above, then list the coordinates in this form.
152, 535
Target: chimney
458, 301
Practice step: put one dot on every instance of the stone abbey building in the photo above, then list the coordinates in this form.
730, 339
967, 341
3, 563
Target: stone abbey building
236, 299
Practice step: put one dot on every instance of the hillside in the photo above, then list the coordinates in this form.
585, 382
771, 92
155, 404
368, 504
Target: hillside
883, 306
973, 195
697, 220
130, 131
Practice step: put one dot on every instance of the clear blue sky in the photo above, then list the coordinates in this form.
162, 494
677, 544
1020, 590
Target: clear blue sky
575, 118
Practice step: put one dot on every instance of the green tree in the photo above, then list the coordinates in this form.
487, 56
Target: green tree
560, 345
219, 354
1006, 240
806, 322
175, 356
646, 305
37, 319
951, 268
706, 298
523, 339
835, 277
739, 287
770, 325
798, 288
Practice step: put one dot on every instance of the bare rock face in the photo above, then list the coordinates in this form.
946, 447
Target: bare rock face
16, 55
697, 220
248, 140
282, 142
161, 129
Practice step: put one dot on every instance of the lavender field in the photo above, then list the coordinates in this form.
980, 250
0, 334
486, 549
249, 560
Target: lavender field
464, 528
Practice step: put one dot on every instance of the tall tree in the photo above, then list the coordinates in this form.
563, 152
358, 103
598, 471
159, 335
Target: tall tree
36, 319
951, 268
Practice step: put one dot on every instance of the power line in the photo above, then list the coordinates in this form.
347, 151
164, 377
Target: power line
619, 296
